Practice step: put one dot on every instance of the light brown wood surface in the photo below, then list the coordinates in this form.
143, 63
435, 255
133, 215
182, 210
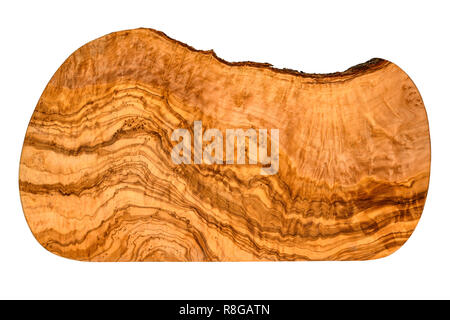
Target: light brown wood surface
97, 181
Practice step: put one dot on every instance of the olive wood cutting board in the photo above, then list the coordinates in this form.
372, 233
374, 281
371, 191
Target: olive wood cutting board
142, 148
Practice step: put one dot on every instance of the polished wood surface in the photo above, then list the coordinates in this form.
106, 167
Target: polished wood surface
97, 182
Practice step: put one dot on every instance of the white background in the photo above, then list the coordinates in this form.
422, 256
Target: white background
312, 36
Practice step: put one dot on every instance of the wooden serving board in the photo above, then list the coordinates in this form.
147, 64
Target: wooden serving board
127, 157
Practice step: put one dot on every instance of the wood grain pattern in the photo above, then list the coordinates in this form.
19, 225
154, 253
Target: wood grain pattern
97, 182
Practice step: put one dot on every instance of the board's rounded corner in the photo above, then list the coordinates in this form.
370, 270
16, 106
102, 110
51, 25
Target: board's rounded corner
53, 253
40, 243
387, 254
